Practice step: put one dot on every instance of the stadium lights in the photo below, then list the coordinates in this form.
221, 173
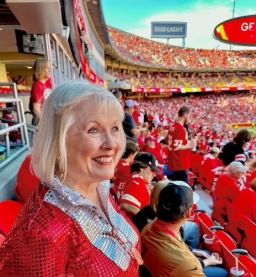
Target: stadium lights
233, 12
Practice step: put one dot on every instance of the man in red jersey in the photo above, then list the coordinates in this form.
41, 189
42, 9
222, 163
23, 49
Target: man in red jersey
136, 195
179, 159
123, 169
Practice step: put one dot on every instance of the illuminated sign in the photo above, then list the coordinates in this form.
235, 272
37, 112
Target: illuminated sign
168, 29
240, 31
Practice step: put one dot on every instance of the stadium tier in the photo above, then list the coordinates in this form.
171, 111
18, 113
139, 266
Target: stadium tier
183, 82
156, 54
100, 128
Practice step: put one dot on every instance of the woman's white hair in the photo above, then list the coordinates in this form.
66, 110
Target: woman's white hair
49, 154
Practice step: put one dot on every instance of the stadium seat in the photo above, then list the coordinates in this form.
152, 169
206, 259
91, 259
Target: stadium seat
248, 230
203, 220
249, 263
234, 258
232, 227
220, 211
9, 210
27, 181
205, 174
226, 239
196, 162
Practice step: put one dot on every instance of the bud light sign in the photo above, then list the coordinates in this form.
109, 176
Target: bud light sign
170, 29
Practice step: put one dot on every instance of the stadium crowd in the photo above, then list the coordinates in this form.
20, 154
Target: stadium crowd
211, 113
174, 80
150, 177
140, 50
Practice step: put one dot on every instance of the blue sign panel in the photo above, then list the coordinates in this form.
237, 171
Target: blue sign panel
168, 29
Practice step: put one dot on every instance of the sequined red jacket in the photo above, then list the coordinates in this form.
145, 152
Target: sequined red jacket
60, 233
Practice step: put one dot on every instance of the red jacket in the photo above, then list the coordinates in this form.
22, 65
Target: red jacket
52, 237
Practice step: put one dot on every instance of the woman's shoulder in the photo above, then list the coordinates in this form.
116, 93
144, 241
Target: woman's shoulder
43, 219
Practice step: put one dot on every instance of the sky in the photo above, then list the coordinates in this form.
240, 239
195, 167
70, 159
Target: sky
202, 16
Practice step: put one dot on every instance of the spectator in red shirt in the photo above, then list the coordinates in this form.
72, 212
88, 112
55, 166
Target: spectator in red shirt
154, 148
41, 88
179, 160
137, 193
123, 169
212, 155
227, 189
246, 201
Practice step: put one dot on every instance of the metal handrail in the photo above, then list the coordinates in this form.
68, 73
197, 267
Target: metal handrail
21, 124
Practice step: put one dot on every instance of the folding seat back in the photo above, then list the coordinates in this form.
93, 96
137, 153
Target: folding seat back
211, 240
235, 221
27, 181
9, 210
220, 211
231, 259
196, 159
226, 239
249, 263
205, 172
248, 230
204, 221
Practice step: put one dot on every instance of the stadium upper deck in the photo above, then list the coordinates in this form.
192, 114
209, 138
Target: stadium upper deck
149, 53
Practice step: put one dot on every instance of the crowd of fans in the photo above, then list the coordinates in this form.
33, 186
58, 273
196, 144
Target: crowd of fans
210, 114
145, 51
174, 80
144, 188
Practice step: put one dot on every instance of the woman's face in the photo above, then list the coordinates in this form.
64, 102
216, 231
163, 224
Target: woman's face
94, 143
47, 71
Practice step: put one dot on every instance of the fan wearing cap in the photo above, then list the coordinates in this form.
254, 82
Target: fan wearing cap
129, 125
212, 155
154, 148
164, 252
137, 192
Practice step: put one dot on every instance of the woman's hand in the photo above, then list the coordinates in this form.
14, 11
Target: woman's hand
214, 259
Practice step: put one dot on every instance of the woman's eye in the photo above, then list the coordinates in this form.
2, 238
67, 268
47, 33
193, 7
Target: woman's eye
94, 131
116, 128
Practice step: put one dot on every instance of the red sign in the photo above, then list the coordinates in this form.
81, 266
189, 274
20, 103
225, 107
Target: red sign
240, 31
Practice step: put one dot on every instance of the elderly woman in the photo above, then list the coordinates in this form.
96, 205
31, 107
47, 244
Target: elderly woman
70, 226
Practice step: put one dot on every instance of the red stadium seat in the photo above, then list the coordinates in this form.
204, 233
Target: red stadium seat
220, 211
230, 257
9, 210
232, 227
243, 230
206, 175
204, 221
248, 229
27, 181
249, 263
196, 159
226, 239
